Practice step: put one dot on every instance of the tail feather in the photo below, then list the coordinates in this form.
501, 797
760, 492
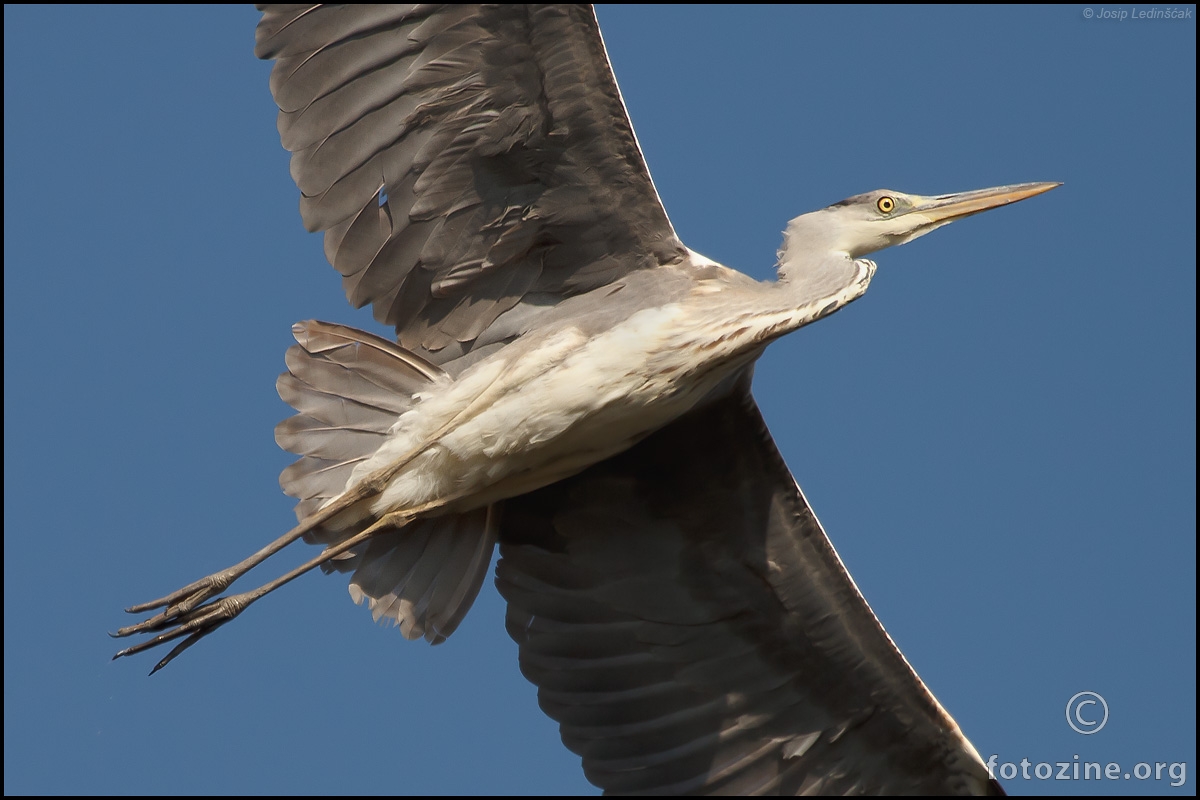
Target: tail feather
425, 577
375, 358
311, 370
310, 477
472, 557
349, 388
321, 439
336, 409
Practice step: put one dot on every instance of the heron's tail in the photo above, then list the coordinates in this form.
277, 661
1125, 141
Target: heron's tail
349, 388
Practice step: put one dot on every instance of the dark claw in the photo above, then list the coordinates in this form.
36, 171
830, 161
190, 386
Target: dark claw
179, 648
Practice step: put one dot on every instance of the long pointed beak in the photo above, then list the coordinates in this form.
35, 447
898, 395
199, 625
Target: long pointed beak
949, 207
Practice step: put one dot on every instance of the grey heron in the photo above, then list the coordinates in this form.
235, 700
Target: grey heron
571, 382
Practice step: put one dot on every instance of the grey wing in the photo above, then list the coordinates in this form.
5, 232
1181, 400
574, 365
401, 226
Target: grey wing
692, 630
462, 160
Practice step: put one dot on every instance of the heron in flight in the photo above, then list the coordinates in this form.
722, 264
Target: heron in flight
571, 383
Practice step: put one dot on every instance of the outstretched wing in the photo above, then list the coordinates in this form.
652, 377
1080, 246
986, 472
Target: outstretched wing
692, 630
462, 160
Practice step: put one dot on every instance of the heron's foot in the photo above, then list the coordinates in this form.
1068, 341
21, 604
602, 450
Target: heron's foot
195, 624
189, 612
179, 603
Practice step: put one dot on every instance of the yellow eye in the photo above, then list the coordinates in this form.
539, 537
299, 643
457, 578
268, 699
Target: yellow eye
886, 204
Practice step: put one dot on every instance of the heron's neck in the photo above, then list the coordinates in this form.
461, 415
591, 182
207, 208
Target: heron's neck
818, 274
811, 288
744, 317
808, 242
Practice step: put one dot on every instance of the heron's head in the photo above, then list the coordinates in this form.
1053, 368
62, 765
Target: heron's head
868, 222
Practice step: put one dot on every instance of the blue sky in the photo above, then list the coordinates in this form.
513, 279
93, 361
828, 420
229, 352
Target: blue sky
1000, 437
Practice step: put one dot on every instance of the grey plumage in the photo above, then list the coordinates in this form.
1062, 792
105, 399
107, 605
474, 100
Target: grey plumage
462, 160
713, 647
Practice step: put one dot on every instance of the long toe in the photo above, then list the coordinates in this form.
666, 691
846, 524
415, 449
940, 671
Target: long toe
183, 600
195, 624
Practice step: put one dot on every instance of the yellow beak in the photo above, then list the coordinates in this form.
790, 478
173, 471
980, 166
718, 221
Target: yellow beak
948, 207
